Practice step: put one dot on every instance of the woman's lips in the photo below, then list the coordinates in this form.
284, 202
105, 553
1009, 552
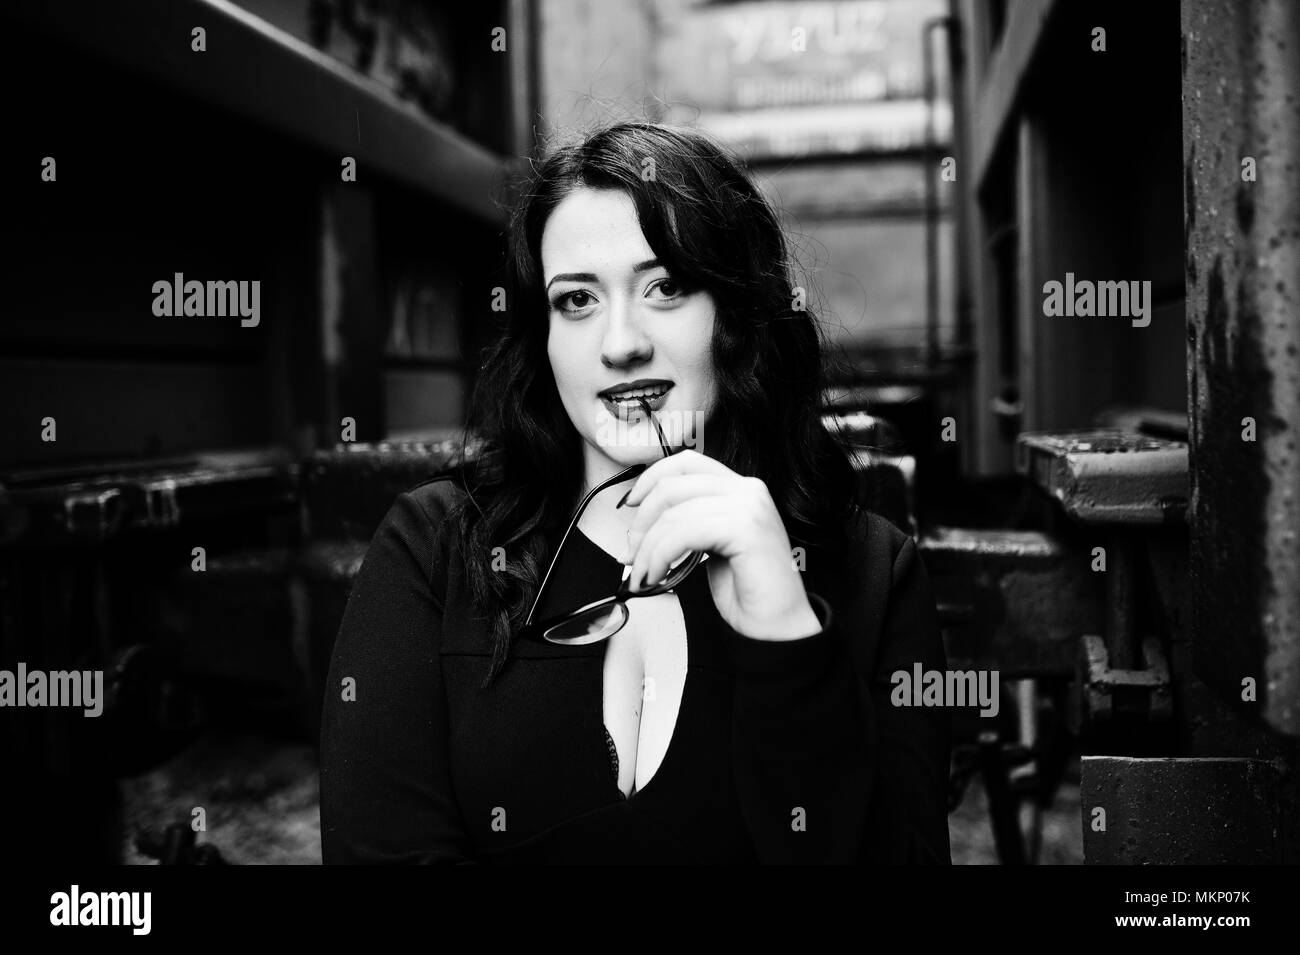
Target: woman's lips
626, 408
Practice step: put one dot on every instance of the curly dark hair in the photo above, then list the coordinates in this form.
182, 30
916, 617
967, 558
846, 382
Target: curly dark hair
713, 230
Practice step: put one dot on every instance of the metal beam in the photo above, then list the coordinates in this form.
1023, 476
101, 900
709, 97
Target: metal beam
1108, 476
264, 74
1180, 811
1013, 601
1026, 21
1241, 152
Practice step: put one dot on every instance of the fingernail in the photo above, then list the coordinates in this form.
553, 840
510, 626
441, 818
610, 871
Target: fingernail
623, 500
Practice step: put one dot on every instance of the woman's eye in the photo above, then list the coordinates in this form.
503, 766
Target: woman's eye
579, 300
669, 288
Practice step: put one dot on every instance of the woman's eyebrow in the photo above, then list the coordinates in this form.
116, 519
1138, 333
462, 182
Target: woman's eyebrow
645, 266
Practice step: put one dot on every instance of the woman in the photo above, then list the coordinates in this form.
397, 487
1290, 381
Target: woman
738, 714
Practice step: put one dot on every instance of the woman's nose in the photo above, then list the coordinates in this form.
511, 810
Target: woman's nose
625, 340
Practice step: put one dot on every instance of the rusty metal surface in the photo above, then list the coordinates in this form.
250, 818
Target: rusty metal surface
1108, 476
1241, 77
1156, 422
1014, 601
1180, 811
1122, 598
1110, 692
91, 504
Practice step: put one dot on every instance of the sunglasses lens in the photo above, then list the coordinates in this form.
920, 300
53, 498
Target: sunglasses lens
589, 626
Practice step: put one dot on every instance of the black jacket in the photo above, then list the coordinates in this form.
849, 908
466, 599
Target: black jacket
783, 752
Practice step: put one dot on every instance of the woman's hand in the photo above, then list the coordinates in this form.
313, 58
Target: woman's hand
690, 502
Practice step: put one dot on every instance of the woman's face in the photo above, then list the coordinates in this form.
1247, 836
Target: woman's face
618, 318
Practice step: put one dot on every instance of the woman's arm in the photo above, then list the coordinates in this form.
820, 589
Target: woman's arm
827, 771
386, 794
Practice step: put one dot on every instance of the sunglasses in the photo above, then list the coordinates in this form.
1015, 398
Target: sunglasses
601, 619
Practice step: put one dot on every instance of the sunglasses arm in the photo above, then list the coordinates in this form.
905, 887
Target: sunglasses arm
623, 475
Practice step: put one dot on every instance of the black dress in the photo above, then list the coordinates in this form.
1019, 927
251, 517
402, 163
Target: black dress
782, 751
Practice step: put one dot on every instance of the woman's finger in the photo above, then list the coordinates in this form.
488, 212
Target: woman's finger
669, 492
698, 524
683, 462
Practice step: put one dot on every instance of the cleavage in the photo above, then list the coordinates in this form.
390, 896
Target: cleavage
645, 671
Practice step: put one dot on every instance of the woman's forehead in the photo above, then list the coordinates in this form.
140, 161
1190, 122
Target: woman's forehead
593, 231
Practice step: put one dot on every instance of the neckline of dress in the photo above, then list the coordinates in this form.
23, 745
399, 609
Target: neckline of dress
673, 744
610, 558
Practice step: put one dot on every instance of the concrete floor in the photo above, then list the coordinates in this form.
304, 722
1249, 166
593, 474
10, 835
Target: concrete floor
262, 806
260, 797
971, 837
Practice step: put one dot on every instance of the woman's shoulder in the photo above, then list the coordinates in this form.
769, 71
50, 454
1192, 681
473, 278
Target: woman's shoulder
875, 540
422, 516
437, 497
418, 525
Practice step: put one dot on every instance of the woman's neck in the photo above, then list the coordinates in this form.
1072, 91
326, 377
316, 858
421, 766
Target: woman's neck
603, 522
